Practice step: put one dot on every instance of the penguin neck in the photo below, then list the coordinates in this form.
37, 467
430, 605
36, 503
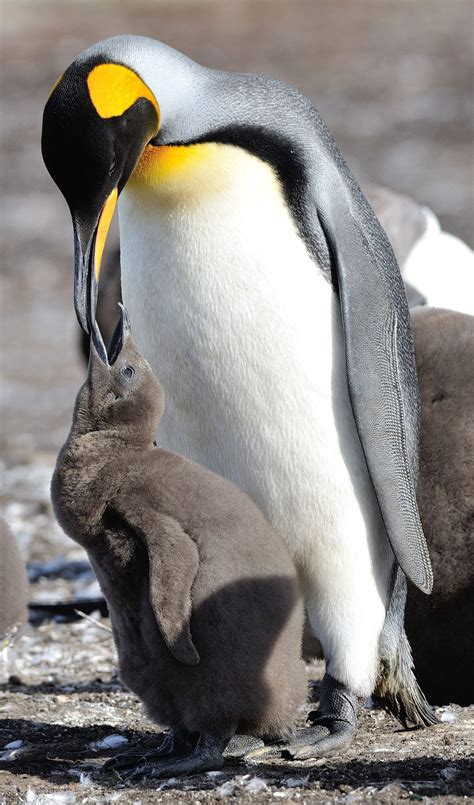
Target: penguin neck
112, 443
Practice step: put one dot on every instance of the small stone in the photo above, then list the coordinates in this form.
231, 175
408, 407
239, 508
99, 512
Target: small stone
13, 745
170, 783
448, 717
255, 785
295, 782
226, 789
449, 773
109, 742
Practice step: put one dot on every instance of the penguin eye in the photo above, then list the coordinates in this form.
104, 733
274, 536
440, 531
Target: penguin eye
113, 164
127, 372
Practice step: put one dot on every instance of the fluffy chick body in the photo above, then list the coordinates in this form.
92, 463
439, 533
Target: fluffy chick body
440, 626
158, 527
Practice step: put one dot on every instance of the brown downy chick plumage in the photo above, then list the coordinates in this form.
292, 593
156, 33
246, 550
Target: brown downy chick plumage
204, 599
440, 626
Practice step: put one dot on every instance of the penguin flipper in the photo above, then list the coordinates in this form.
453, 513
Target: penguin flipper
174, 563
381, 376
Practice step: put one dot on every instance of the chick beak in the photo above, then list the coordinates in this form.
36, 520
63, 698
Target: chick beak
121, 333
89, 243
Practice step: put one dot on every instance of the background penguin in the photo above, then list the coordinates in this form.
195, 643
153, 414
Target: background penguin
440, 627
204, 599
266, 297
438, 268
13, 585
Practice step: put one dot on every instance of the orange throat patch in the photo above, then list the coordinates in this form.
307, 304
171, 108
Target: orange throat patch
160, 164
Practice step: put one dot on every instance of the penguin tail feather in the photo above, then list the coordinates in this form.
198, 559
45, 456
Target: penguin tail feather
398, 692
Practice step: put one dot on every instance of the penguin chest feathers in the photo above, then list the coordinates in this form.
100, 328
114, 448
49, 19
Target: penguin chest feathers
236, 319
212, 257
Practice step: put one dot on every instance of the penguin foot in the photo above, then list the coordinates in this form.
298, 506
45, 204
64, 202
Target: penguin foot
265, 752
176, 743
240, 746
334, 724
207, 755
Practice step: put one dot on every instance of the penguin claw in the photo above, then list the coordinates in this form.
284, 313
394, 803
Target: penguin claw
194, 763
206, 755
321, 741
175, 743
128, 760
334, 724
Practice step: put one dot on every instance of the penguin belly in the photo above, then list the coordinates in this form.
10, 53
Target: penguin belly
244, 333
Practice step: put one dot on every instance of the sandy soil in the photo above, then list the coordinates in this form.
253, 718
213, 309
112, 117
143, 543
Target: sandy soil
393, 80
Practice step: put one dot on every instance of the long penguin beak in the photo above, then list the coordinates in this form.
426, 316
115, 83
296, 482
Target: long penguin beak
89, 243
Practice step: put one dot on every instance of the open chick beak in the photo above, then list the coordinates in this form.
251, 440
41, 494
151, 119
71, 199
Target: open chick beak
89, 239
122, 331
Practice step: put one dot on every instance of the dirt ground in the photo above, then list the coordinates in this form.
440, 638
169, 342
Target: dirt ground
394, 82
59, 694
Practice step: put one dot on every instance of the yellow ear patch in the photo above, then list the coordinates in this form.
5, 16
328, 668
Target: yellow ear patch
114, 88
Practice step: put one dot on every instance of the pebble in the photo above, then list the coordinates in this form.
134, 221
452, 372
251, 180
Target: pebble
109, 742
13, 745
295, 782
169, 783
226, 789
255, 785
449, 773
448, 716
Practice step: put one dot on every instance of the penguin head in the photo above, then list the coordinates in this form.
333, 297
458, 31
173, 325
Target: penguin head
121, 393
97, 121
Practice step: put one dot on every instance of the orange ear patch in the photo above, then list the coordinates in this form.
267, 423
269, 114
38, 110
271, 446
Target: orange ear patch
114, 88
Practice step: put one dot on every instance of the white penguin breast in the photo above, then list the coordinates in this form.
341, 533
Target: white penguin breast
244, 333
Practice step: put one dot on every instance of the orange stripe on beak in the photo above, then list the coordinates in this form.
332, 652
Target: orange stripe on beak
102, 229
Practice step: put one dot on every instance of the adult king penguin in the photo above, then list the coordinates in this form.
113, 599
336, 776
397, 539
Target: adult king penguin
265, 295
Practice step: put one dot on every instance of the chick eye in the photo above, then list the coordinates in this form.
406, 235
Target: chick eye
128, 372
113, 165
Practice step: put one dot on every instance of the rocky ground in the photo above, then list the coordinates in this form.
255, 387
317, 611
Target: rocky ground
63, 710
393, 79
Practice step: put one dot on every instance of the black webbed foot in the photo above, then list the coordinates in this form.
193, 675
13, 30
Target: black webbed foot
207, 755
333, 725
177, 742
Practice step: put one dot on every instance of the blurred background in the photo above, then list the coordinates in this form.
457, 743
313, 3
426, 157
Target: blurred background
392, 78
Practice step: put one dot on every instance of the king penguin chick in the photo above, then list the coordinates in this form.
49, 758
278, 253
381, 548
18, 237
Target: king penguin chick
438, 626
13, 585
204, 600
